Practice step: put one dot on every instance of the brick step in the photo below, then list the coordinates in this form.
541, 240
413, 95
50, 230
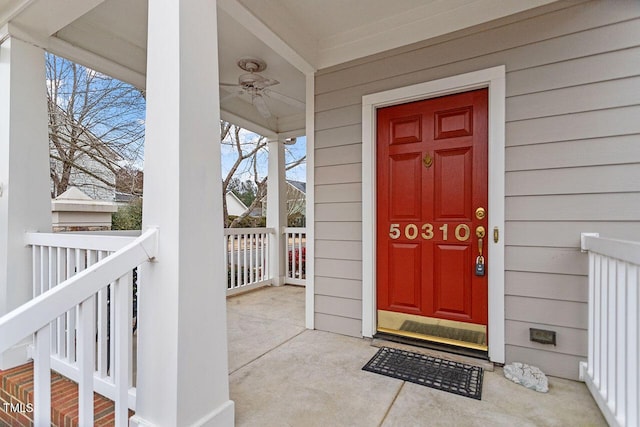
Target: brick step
16, 400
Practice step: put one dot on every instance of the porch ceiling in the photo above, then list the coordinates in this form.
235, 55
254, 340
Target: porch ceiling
294, 37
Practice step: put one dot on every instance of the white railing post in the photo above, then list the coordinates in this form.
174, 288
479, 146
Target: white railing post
612, 367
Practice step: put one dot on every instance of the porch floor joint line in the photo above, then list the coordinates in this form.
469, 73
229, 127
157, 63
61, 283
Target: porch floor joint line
268, 351
386, 414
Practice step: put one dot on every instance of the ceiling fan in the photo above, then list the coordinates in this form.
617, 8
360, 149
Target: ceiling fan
257, 87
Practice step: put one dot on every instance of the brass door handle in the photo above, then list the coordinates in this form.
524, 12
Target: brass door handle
480, 232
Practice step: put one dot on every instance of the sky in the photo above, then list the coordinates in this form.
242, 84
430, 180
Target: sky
136, 117
292, 153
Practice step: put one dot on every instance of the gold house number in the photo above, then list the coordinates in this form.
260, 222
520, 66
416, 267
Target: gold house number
411, 231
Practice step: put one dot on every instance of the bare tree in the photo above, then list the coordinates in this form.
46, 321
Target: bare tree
96, 124
248, 151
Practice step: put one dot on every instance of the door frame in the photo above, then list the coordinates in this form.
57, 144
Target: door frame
493, 79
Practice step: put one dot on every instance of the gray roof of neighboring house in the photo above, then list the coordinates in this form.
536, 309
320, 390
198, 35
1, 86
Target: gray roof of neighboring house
125, 197
302, 186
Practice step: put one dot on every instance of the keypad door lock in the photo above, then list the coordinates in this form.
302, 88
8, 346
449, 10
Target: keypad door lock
480, 266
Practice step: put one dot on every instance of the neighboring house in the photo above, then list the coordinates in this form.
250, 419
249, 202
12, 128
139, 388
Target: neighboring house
87, 182
125, 199
235, 207
296, 199
88, 174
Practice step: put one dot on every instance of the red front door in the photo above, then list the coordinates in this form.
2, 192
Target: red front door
431, 207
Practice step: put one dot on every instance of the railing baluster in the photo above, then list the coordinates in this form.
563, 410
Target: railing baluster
111, 330
86, 357
300, 257
591, 327
244, 259
53, 263
103, 349
232, 281
44, 279
597, 315
122, 326
633, 346
263, 248
42, 377
621, 339
61, 323
267, 259
227, 262
71, 314
251, 275
611, 333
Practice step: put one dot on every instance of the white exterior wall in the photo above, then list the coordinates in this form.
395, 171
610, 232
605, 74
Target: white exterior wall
572, 162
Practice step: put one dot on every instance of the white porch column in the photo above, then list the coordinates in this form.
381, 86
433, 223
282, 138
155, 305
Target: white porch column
182, 349
25, 195
277, 209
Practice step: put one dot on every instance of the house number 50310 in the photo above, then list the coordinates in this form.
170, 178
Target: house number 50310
426, 231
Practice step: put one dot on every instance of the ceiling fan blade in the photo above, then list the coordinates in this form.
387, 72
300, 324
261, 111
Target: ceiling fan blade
261, 106
286, 99
230, 85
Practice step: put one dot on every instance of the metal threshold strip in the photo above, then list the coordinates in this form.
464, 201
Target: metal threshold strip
459, 334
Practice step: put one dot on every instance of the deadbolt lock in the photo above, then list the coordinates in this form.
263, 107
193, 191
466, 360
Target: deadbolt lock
480, 232
480, 213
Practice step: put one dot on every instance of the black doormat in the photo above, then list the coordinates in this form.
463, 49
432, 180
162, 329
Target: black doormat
454, 377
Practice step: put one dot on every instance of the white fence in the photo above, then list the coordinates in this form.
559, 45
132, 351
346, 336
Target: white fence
295, 255
612, 370
247, 258
71, 279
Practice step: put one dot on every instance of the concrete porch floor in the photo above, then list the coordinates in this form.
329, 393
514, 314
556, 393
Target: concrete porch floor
284, 375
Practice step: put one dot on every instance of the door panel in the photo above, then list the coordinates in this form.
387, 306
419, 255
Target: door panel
405, 194
405, 259
451, 296
431, 178
453, 184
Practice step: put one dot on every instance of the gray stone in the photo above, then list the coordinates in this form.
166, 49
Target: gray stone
527, 375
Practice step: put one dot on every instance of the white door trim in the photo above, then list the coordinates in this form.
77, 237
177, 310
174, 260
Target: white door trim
494, 79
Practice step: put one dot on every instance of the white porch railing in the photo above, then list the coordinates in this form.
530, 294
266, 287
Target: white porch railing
61, 309
247, 258
613, 368
56, 258
295, 255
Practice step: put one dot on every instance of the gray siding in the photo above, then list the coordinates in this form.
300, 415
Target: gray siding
572, 162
